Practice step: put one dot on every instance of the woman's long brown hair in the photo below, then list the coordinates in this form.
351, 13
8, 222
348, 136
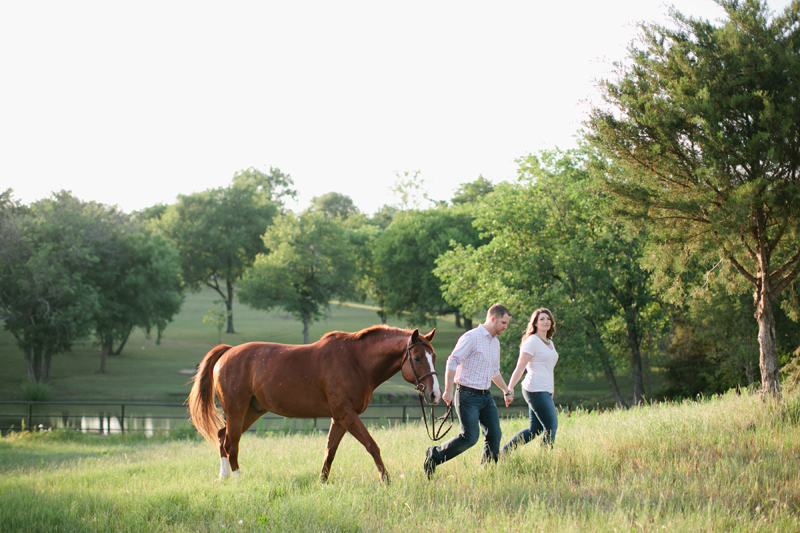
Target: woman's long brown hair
531, 329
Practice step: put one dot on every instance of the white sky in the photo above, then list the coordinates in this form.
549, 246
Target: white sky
133, 103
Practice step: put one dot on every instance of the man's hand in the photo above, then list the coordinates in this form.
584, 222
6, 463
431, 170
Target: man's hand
447, 397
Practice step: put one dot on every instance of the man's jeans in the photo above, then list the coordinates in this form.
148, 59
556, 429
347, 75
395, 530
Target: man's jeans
542, 417
473, 409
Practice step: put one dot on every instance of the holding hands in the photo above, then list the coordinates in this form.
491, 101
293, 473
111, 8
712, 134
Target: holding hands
509, 396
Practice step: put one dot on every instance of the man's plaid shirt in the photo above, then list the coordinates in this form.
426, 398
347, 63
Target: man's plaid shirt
476, 358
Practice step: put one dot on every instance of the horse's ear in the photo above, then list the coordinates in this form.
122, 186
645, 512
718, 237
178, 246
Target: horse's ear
414, 336
430, 335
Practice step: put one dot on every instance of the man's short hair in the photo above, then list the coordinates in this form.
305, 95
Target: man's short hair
498, 310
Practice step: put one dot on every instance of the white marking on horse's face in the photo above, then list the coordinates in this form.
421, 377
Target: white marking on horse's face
437, 393
224, 468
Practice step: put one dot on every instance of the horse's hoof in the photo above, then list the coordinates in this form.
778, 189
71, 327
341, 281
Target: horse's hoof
237, 474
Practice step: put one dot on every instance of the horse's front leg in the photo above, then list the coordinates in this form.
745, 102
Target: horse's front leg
335, 434
356, 427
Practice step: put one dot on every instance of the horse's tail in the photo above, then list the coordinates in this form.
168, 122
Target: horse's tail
205, 416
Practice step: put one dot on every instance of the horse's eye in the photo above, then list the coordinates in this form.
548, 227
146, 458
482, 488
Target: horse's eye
416, 359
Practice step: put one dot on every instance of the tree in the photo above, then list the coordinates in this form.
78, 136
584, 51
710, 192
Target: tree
472, 192
154, 212
72, 267
713, 342
137, 280
334, 204
412, 190
45, 300
404, 257
705, 124
384, 216
217, 318
551, 248
712, 345
218, 231
308, 264
362, 241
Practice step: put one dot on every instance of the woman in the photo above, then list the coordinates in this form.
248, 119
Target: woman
537, 355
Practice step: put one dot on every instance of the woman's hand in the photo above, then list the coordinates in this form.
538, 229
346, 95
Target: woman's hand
509, 397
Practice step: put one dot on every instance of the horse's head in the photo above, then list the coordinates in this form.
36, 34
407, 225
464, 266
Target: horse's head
418, 366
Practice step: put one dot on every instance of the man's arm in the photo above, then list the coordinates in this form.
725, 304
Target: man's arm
508, 394
464, 347
449, 385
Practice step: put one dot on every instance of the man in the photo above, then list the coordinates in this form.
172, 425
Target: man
471, 369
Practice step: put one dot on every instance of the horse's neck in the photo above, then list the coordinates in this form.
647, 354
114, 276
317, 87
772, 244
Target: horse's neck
384, 358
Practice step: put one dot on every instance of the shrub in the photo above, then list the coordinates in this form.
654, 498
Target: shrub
36, 391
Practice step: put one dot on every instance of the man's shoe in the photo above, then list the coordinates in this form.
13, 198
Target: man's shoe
430, 464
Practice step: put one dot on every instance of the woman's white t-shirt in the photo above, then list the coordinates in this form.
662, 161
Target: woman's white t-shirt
539, 376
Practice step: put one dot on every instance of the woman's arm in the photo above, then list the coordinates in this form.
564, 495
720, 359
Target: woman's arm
522, 362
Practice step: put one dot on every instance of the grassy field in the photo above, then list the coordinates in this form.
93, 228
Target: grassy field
150, 372
727, 463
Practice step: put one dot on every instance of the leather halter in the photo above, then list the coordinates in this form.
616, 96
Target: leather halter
417, 377
437, 432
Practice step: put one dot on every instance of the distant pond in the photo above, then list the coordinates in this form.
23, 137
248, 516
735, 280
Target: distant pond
151, 418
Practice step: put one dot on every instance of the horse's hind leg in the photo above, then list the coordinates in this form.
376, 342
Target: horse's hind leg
229, 437
224, 463
335, 434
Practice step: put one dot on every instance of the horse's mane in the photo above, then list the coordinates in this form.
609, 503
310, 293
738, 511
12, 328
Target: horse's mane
366, 332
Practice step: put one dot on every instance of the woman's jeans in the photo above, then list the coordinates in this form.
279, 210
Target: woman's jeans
474, 410
543, 419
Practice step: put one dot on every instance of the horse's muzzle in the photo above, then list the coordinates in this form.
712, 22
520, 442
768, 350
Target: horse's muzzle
433, 397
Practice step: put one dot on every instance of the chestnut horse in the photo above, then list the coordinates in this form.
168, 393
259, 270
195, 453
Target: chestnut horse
334, 377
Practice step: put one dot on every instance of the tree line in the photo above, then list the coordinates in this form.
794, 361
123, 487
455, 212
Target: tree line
70, 269
669, 238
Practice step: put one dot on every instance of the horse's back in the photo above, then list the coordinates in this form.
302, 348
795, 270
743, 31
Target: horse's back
267, 355
293, 380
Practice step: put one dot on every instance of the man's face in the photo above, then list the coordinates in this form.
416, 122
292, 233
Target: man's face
499, 325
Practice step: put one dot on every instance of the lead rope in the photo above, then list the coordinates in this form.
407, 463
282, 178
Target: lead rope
436, 434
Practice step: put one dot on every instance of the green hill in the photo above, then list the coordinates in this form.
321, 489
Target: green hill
147, 371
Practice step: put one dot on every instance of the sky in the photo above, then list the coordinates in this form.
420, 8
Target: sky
134, 103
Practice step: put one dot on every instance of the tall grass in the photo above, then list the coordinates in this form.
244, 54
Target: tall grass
726, 463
